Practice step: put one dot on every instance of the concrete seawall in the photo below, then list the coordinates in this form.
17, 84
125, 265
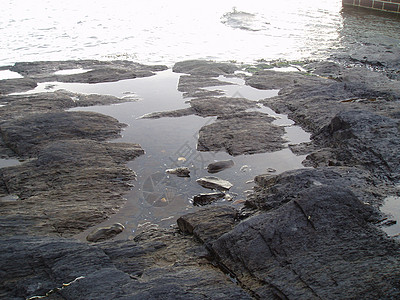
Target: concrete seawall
392, 6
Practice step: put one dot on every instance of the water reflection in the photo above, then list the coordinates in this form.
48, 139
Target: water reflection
157, 197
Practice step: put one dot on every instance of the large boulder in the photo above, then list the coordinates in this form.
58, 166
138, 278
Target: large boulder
318, 245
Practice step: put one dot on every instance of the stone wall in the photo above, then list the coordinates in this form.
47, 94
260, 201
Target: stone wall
388, 5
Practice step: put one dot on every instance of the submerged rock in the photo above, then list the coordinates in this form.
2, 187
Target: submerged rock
180, 171
105, 233
204, 199
212, 182
219, 166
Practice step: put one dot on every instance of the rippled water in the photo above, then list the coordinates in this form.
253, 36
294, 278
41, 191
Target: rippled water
158, 31
165, 32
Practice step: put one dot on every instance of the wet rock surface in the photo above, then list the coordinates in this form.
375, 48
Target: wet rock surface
314, 246
71, 186
156, 265
209, 223
219, 166
105, 233
93, 71
26, 135
212, 182
8, 86
180, 171
193, 85
204, 68
21, 105
209, 106
242, 133
359, 116
72, 178
305, 234
207, 198
236, 130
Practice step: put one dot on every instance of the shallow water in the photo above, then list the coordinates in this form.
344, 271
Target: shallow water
159, 198
391, 207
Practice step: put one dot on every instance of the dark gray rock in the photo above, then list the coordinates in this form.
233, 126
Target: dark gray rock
271, 80
210, 106
26, 134
363, 97
271, 191
180, 171
355, 88
193, 85
20, 105
242, 133
318, 245
212, 182
105, 233
156, 265
32, 266
97, 71
219, 166
8, 86
204, 68
169, 114
71, 186
366, 139
328, 69
208, 224
207, 198
220, 106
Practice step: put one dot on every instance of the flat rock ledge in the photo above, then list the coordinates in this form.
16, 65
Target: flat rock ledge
156, 265
305, 234
72, 178
319, 245
242, 133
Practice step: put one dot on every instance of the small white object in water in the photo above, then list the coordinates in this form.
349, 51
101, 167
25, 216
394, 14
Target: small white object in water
245, 168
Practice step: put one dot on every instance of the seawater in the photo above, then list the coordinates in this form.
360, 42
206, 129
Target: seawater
158, 199
157, 31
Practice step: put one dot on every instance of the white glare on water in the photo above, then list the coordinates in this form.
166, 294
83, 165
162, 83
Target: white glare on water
158, 31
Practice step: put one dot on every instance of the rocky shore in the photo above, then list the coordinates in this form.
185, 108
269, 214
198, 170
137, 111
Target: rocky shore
312, 233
